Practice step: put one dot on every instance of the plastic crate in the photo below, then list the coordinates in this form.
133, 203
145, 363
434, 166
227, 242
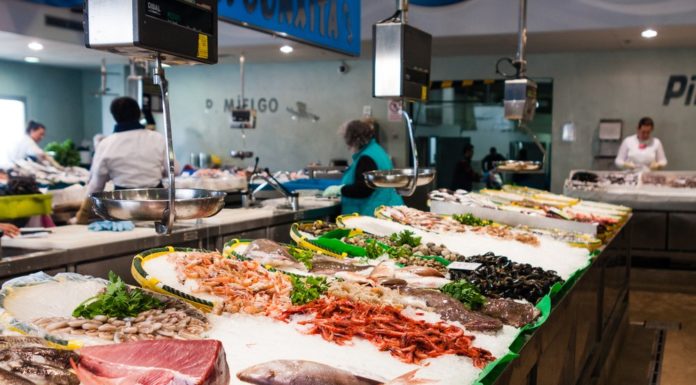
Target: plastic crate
22, 206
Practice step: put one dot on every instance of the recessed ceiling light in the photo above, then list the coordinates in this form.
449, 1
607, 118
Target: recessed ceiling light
31, 59
35, 46
649, 33
286, 49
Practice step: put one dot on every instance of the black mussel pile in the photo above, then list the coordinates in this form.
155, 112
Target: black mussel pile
498, 277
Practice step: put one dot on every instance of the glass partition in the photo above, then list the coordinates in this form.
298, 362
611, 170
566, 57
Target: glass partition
464, 113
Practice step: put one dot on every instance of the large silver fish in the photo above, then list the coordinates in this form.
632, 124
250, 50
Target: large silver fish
292, 372
296, 372
270, 253
322, 264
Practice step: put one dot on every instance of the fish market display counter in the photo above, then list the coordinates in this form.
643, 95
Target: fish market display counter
76, 249
664, 211
578, 342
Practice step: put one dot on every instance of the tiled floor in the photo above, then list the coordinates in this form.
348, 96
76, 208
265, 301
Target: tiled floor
679, 366
667, 297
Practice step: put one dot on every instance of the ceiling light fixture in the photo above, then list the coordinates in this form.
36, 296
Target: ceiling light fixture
286, 49
31, 59
649, 33
35, 46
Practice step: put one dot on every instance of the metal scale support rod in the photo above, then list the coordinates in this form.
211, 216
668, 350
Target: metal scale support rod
413, 183
521, 57
402, 6
169, 214
521, 61
521, 65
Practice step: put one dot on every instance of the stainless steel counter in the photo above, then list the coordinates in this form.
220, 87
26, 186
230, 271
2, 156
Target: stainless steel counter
76, 249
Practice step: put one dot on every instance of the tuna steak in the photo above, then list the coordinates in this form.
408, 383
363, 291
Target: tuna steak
158, 362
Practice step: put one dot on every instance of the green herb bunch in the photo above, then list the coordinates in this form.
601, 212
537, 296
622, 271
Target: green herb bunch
405, 237
117, 300
470, 220
375, 250
466, 293
304, 256
307, 289
66, 153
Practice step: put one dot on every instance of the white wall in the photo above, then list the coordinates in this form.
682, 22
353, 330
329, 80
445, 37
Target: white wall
279, 141
592, 86
587, 87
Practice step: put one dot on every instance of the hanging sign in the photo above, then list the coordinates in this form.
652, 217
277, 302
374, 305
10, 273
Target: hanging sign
435, 3
329, 24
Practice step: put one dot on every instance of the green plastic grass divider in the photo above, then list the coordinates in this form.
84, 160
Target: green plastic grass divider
544, 306
491, 372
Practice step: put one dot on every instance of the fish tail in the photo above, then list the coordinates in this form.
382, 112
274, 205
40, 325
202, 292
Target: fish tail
409, 379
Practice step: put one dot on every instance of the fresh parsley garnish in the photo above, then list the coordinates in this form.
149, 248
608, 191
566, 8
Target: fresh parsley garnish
466, 293
470, 220
307, 289
405, 237
304, 256
117, 300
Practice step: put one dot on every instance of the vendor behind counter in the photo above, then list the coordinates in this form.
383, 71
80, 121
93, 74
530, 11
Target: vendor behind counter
132, 157
642, 151
368, 155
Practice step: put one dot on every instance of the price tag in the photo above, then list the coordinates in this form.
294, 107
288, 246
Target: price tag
469, 266
202, 46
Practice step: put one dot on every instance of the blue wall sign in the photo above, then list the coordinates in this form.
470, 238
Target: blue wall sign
435, 3
60, 3
330, 24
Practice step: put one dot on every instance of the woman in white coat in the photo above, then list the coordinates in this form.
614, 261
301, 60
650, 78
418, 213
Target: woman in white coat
642, 151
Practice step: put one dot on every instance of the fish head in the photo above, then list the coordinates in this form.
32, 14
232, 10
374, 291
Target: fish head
269, 373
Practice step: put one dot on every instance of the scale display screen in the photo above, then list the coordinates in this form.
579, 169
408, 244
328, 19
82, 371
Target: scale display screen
195, 16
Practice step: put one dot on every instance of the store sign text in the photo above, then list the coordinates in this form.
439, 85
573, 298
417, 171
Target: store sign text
329, 24
261, 105
679, 86
435, 3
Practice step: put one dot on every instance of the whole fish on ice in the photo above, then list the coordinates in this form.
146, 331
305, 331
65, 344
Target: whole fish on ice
297, 372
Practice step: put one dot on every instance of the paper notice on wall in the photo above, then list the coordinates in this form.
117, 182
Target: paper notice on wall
394, 110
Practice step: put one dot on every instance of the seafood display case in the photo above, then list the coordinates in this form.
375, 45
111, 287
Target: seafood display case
402, 297
670, 190
664, 210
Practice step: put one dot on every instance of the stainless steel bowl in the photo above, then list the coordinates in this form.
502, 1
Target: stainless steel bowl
399, 178
519, 166
149, 204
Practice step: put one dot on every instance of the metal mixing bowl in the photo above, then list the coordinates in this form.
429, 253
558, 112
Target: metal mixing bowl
149, 204
399, 178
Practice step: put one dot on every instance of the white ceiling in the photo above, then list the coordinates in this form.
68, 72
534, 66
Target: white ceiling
471, 27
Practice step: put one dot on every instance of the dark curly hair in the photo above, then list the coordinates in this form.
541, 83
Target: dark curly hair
357, 133
646, 121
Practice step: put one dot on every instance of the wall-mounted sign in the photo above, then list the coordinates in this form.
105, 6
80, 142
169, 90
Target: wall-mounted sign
681, 88
330, 24
435, 3
261, 105
394, 110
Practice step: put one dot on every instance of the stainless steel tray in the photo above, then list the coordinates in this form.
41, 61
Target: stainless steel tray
150, 204
398, 178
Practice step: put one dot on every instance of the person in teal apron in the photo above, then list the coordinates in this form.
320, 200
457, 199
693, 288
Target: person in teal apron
368, 155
